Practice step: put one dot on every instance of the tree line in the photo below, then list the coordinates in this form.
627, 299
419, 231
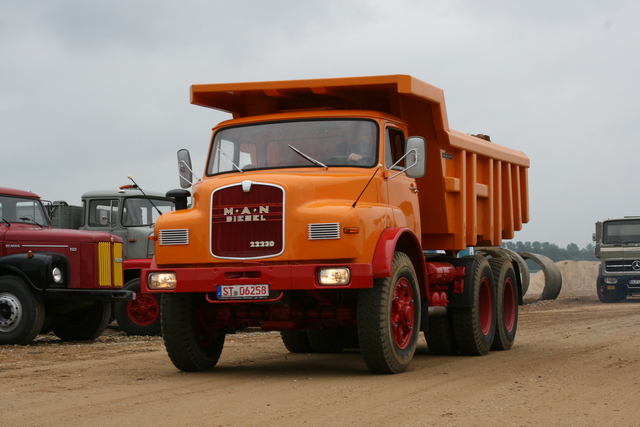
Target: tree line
572, 252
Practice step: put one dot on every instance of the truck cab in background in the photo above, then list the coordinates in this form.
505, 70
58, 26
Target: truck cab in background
63, 280
618, 248
130, 214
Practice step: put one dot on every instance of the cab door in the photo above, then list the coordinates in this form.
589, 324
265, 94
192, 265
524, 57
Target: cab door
402, 191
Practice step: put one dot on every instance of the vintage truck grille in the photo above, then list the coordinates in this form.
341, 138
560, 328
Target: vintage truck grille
622, 266
110, 267
326, 231
247, 221
174, 237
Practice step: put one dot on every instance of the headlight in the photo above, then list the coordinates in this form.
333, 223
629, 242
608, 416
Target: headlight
610, 280
335, 276
56, 274
162, 281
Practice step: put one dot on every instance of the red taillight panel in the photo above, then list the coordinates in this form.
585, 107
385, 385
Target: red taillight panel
247, 224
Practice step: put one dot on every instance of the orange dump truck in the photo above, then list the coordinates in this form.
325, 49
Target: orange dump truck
334, 211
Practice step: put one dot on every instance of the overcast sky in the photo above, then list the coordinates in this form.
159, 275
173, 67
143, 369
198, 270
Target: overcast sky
93, 91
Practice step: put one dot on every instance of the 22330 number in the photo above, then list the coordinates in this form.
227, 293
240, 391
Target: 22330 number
262, 244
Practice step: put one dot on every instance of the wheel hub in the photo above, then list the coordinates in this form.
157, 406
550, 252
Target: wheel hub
403, 313
10, 312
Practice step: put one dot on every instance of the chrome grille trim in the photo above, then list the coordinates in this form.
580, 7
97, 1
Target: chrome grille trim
174, 237
621, 266
327, 231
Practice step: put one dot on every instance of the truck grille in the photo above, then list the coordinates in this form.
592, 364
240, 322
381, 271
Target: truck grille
174, 237
110, 267
247, 221
622, 266
329, 230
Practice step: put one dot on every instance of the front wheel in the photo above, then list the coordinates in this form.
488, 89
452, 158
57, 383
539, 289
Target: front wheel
140, 316
191, 344
389, 318
21, 314
605, 295
85, 324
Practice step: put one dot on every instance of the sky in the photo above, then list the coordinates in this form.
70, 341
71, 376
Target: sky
94, 91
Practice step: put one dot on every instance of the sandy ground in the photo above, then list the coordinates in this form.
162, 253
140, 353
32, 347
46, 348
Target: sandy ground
575, 363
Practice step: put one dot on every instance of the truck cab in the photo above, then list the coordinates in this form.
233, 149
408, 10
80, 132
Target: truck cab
618, 248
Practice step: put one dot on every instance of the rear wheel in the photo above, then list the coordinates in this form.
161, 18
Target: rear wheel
475, 326
439, 336
85, 324
389, 319
21, 314
296, 341
140, 316
330, 340
191, 343
506, 304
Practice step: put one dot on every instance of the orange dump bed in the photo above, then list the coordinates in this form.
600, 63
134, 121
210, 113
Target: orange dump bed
475, 192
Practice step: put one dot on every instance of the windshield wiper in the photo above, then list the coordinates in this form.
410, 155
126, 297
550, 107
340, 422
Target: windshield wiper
229, 158
311, 159
8, 223
30, 221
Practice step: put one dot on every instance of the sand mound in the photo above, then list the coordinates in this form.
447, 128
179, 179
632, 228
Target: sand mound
578, 278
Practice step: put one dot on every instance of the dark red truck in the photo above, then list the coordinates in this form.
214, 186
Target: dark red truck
62, 280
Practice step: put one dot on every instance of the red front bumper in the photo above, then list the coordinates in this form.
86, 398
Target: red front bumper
278, 277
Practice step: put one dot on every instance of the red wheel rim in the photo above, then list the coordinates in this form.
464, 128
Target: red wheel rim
509, 305
144, 310
486, 306
403, 313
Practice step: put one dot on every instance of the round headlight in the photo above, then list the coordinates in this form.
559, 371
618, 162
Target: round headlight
57, 275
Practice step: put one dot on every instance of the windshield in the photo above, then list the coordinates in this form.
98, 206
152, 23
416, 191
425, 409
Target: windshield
140, 211
22, 210
621, 231
311, 143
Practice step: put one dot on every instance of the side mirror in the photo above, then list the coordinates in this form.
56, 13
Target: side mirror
184, 168
416, 160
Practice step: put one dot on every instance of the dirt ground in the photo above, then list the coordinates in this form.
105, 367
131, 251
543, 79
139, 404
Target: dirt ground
575, 363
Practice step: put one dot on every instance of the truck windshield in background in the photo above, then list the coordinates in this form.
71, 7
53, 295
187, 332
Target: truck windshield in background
17, 209
137, 211
627, 231
309, 143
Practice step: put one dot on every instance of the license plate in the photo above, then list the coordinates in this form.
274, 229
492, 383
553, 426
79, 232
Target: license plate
634, 282
242, 291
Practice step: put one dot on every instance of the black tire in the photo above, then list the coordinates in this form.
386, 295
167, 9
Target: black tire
605, 295
85, 324
141, 316
21, 314
330, 340
440, 337
191, 346
474, 327
388, 319
506, 303
296, 341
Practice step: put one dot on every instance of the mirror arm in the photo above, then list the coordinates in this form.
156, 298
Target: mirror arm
408, 167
